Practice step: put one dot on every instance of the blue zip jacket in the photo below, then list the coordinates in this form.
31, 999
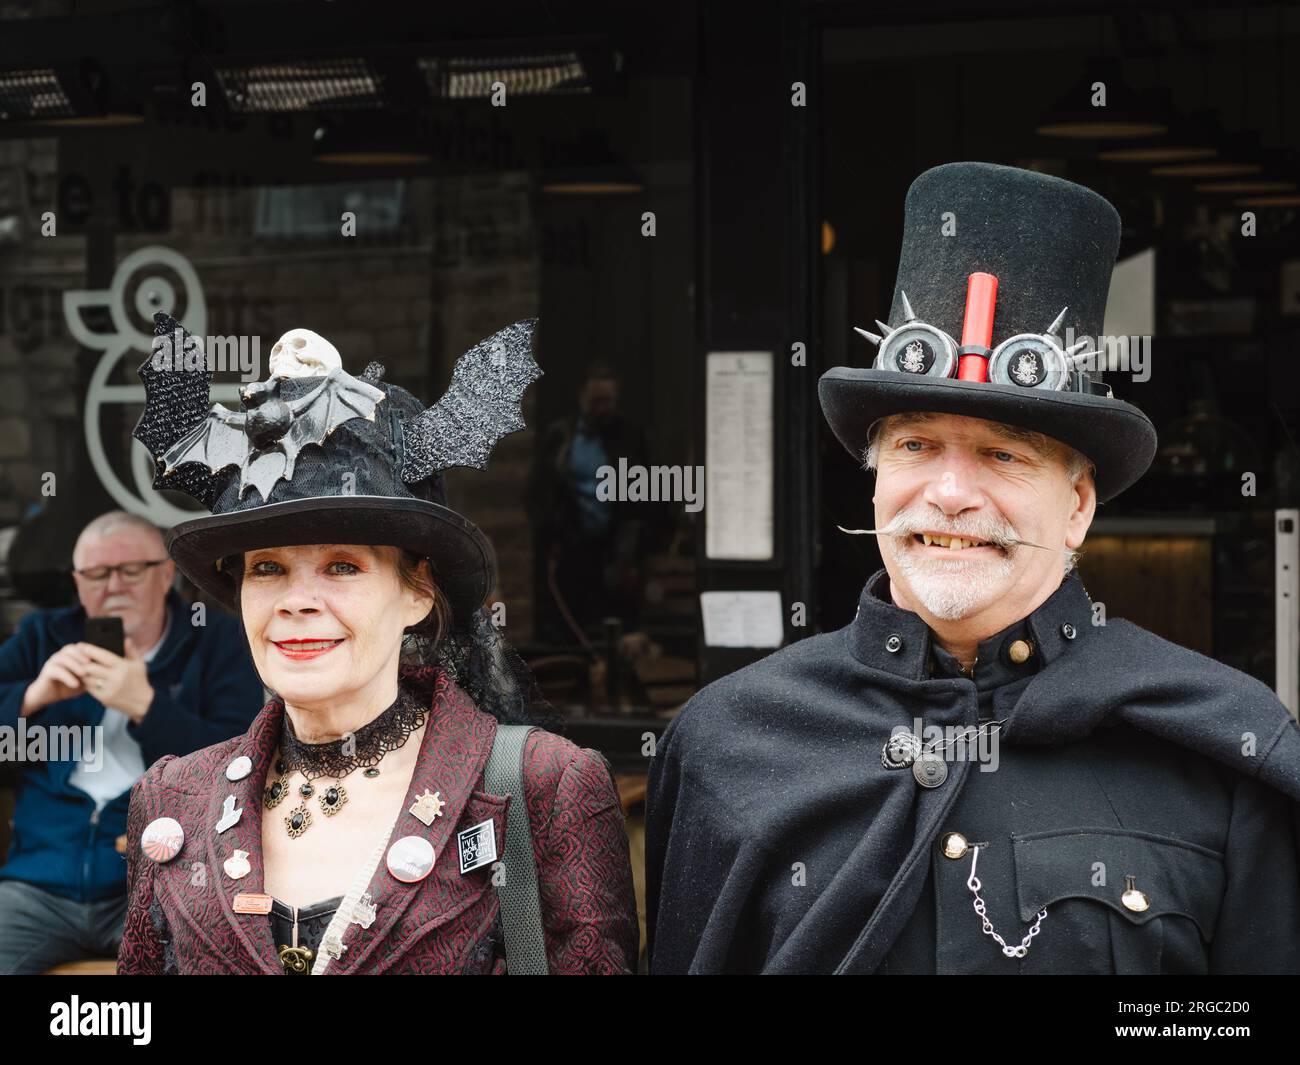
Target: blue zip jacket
205, 691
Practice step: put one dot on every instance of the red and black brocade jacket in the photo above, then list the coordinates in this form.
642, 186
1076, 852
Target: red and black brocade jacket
181, 921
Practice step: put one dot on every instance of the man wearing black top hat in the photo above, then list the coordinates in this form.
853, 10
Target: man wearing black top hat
981, 773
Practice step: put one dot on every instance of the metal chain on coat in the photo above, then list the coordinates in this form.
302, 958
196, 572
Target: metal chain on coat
1011, 952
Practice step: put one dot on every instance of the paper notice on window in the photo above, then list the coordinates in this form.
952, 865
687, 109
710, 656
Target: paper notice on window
738, 456
1131, 305
741, 619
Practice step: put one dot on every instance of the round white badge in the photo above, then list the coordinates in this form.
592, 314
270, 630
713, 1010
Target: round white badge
411, 859
162, 839
239, 768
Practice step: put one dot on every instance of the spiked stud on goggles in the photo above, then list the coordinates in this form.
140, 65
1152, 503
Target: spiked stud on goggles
1028, 360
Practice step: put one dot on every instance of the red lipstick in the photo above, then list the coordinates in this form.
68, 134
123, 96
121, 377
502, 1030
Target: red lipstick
302, 648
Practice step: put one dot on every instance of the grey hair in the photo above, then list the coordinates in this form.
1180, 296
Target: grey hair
113, 520
1076, 462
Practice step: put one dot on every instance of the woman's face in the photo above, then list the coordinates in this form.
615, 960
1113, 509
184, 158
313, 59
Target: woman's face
325, 621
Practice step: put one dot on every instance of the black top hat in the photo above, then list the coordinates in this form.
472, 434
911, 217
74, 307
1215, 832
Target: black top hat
1001, 289
316, 455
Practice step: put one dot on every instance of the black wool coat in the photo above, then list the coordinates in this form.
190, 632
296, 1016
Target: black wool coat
777, 841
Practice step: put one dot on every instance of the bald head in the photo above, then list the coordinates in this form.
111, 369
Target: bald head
123, 524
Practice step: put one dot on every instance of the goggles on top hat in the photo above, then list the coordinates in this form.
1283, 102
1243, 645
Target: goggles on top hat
1027, 360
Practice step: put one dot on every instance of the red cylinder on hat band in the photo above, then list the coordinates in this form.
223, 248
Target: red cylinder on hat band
977, 329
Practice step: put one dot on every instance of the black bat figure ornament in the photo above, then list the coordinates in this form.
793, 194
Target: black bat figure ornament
268, 416
265, 441
191, 443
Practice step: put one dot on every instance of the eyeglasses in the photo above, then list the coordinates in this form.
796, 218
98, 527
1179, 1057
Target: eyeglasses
131, 572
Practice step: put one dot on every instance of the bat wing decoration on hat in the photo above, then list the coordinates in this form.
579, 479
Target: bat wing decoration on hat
482, 405
192, 443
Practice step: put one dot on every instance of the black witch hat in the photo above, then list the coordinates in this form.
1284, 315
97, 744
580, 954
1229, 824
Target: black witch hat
1001, 269
316, 455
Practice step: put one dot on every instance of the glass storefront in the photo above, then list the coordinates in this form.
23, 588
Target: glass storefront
411, 267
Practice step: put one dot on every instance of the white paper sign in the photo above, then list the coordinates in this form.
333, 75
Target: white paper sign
1131, 304
738, 456
742, 619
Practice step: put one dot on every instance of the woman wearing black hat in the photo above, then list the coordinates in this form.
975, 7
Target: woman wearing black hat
392, 809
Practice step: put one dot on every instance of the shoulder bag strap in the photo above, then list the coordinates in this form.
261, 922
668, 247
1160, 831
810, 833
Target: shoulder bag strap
521, 911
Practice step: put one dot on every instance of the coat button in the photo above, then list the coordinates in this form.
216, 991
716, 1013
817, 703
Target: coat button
1019, 651
1067, 630
894, 644
953, 844
1133, 899
930, 770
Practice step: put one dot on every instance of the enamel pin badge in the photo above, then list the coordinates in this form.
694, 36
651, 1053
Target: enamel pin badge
229, 815
236, 866
252, 902
363, 913
334, 946
426, 807
477, 846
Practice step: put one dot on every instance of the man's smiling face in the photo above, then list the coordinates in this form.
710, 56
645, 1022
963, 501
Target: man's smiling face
953, 493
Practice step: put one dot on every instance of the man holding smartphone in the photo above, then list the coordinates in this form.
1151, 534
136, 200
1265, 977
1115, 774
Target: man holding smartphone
151, 676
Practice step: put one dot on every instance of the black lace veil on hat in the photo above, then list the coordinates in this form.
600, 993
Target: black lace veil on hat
490, 671
315, 455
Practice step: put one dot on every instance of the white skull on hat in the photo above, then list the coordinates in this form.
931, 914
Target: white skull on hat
302, 353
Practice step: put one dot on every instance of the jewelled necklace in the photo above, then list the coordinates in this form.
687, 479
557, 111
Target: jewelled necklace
336, 759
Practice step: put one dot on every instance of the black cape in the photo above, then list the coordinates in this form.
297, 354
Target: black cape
778, 766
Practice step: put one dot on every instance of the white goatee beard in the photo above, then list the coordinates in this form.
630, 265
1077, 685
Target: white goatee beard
952, 589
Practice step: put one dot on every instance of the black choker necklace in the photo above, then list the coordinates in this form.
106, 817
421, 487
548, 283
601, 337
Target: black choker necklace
337, 758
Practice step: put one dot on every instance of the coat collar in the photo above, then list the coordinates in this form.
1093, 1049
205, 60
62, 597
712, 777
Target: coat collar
887, 637
456, 744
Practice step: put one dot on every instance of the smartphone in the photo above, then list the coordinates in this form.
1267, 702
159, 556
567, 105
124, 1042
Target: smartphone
106, 633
